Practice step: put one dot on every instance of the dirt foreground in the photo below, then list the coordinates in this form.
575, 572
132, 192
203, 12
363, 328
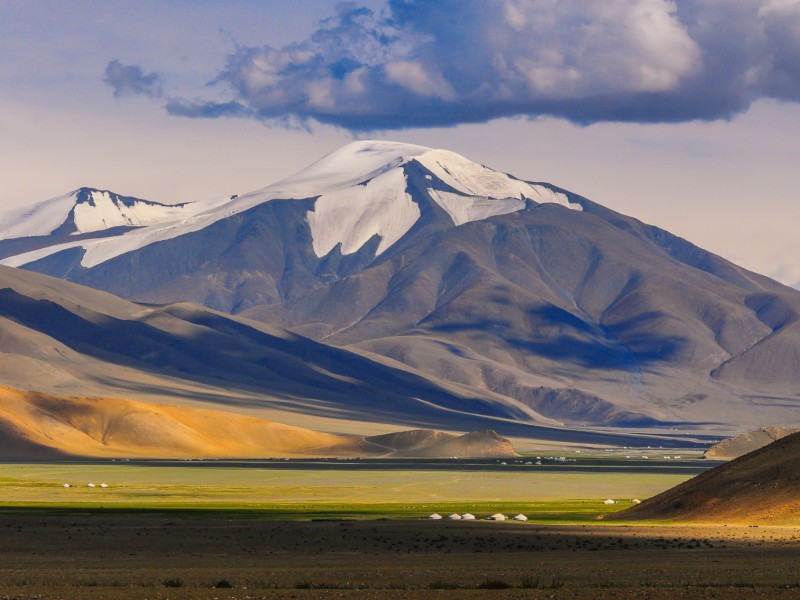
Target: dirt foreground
74, 556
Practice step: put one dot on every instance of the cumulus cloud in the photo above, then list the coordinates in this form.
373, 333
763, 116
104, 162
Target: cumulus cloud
131, 80
420, 63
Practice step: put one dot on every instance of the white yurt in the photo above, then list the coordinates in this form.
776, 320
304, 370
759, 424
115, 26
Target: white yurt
497, 517
609, 501
435, 516
520, 517
455, 517
467, 517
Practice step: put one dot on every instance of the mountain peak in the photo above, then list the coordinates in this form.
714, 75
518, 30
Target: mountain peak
362, 191
348, 165
359, 191
85, 210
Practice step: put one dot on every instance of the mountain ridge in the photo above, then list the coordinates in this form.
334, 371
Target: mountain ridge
559, 306
62, 339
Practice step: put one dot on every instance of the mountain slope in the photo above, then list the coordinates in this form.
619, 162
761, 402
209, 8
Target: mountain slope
358, 194
760, 487
67, 340
739, 445
554, 306
432, 444
35, 426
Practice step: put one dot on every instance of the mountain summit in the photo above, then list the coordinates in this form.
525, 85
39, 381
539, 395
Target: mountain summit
563, 309
87, 210
360, 191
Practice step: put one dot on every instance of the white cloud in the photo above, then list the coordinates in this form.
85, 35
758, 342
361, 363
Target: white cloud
420, 63
413, 76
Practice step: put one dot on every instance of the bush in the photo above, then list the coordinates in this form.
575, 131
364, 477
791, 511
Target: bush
494, 584
223, 584
174, 582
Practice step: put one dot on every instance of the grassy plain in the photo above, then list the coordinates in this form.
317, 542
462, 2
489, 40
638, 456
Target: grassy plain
213, 532
308, 493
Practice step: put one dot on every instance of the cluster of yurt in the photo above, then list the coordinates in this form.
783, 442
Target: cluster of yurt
471, 517
88, 485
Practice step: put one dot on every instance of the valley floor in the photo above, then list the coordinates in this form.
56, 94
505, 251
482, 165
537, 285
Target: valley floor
82, 555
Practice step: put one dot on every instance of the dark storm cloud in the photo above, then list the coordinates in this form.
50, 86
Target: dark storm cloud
425, 63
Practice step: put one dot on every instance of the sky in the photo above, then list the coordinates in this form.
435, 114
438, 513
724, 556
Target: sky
684, 114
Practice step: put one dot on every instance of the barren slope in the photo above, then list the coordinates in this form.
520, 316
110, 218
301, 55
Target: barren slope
740, 445
35, 426
435, 444
67, 340
760, 487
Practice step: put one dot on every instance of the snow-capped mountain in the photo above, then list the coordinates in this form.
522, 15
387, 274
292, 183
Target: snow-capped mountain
360, 191
557, 306
88, 210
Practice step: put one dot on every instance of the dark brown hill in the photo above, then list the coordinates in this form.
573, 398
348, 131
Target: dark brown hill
760, 487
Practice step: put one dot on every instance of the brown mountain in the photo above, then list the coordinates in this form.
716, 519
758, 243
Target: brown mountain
68, 341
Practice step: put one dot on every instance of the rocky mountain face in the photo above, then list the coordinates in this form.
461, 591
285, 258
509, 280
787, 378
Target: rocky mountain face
72, 342
557, 308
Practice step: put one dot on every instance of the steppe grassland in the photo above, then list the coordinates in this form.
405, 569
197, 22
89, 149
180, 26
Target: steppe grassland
306, 493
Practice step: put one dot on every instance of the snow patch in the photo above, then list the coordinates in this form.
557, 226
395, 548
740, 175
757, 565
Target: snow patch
36, 220
465, 209
99, 250
352, 216
472, 179
106, 213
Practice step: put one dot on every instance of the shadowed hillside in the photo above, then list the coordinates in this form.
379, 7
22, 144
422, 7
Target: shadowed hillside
434, 444
67, 340
760, 487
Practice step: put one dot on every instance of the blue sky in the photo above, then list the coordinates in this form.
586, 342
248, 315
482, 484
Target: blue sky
683, 114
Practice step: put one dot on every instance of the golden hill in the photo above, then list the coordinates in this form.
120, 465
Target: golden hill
35, 426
